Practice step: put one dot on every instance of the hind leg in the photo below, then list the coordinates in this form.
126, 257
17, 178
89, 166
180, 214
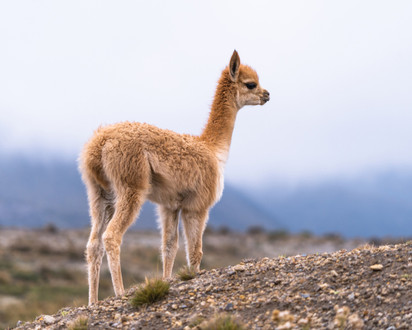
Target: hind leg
101, 211
194, 224
169, 220
127, 207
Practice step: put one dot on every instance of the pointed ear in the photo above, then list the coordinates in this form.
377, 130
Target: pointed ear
234, 66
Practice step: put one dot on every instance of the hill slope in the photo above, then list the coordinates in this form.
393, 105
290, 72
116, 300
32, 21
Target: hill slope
335, 290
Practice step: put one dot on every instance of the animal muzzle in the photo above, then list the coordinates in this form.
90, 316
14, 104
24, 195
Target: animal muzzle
265, 97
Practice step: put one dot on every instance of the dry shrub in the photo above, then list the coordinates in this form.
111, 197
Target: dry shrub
151, 291
186, 273
223, 322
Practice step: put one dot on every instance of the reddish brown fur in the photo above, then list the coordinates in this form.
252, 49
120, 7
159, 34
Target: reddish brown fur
127, 163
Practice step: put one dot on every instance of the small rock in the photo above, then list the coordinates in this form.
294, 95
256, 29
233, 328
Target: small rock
351, 296
286, 326
303, 322
19, 323
229, 307
239, 268
376, 267
48, 319
334, 273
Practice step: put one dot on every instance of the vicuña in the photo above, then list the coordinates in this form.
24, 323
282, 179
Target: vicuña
124, 164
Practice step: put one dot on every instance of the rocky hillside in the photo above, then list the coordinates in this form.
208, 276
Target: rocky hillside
366, 288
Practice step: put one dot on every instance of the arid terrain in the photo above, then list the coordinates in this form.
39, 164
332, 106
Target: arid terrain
42, 271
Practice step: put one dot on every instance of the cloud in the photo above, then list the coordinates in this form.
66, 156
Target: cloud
338, 73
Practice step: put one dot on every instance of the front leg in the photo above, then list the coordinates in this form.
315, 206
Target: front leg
169, 220
194, 224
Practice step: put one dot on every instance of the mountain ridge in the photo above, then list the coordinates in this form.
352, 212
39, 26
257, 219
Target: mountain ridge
36, 193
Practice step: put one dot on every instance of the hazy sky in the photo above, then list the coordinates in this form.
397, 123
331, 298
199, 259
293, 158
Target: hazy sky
339, 74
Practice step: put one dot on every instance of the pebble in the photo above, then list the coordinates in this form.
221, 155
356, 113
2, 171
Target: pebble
376, 267
48, 319
229, 307
334, 273
239, 268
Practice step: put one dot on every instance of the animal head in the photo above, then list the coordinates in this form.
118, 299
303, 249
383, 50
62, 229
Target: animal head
246, 80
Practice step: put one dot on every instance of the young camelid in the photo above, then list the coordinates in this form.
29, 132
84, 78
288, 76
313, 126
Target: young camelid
124, 164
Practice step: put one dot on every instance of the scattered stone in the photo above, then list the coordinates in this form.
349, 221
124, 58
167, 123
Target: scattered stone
376, 267
48, 319
239, 268
229, 307
279, 293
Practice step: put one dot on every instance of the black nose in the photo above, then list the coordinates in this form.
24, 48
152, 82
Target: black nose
266, 96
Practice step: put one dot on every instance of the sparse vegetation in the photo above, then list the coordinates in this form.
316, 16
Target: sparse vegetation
223, 322
81, 323
251, 292
34, 283
186, 273
195, 321
152, 290
278, 234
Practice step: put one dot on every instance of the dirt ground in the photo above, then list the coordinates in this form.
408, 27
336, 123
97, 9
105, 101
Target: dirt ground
44, 270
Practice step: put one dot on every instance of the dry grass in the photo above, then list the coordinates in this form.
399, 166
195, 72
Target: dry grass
81, 323
223, 322
151, 291
186, 273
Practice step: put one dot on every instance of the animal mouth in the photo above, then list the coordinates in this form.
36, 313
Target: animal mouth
264, 99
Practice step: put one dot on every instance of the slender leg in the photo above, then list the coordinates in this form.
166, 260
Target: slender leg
101, 211
194, 224
127, 207
169, 220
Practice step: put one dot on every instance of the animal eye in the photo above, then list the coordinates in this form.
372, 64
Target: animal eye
251, 85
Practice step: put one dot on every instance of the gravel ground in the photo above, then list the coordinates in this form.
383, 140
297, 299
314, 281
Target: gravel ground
366, 288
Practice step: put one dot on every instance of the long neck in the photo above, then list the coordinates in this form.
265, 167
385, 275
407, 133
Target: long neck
219, 128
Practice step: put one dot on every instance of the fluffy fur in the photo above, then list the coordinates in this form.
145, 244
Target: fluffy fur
124, 164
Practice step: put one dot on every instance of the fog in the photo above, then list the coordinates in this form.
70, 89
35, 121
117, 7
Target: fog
339, 75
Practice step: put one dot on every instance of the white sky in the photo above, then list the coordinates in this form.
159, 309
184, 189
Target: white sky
339, 74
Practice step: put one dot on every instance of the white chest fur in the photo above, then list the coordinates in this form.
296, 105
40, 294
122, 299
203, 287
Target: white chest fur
221, 158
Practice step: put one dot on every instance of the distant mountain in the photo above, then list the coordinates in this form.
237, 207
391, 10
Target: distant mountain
372, 205
35, 193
